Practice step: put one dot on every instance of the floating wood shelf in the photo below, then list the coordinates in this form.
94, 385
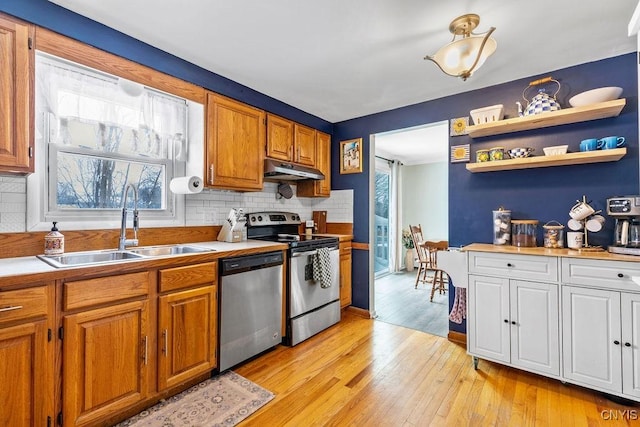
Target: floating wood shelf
547, 161
601, 110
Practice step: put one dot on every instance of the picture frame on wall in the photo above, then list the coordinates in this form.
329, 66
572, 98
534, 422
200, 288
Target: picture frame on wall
351, 156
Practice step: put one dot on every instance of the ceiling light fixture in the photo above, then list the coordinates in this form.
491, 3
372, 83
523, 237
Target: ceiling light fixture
460, 58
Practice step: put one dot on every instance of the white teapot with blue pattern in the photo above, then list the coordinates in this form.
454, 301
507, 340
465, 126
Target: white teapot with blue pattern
542, 102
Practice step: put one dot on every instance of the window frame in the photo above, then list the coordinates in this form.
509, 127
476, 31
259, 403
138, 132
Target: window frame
60, 46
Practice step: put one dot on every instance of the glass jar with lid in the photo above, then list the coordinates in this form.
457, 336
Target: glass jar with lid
523, 232
553, 235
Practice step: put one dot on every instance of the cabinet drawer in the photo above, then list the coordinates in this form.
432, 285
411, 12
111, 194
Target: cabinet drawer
529, 267
187, 276
23, 303
615, 275
85, 293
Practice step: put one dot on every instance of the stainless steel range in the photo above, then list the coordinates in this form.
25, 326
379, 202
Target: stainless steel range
311, 305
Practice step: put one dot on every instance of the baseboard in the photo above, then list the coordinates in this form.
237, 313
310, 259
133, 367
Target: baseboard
457, 337
358, 311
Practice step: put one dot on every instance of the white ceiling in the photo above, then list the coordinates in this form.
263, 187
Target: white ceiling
341, 59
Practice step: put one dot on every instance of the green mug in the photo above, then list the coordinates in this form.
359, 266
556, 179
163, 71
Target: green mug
496, 153
482, 156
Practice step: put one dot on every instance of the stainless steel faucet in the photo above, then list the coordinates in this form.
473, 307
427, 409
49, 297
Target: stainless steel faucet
124, 242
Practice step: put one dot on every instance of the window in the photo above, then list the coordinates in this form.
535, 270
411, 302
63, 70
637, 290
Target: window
99, 133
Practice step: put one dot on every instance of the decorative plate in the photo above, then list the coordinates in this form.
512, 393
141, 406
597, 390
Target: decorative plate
459, 126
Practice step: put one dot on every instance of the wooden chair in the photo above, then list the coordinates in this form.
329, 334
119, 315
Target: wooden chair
428, 260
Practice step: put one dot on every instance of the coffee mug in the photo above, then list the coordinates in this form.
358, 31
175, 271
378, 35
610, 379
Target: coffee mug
580, 211
482, 156
575, 239
496, 153
595, 223
574, 224
612, 142
591, 144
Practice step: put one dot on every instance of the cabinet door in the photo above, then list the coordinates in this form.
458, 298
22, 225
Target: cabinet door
488, 326
104, 362
590, 330
345, 274
279, 138
235, 144
16, 96
534, 326
631, 344
187, 335
24, 393
304, 143
321, 188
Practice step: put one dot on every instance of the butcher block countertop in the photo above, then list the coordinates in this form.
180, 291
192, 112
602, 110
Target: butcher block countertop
565, 252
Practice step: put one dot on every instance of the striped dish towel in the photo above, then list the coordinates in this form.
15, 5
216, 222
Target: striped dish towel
322, 267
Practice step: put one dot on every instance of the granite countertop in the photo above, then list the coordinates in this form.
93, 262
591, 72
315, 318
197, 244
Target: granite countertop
564, 252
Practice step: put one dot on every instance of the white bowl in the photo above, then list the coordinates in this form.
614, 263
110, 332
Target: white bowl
594, 96
492, 113
555, 150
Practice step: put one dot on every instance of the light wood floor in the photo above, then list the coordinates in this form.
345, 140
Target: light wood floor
368, 373
398, 301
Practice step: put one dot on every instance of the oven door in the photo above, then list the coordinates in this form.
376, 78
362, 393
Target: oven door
306, 294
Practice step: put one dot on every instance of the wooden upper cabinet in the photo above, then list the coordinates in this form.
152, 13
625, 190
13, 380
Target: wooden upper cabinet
290, 141
320, 188
304, 144
16, 96
279, 138
234, 157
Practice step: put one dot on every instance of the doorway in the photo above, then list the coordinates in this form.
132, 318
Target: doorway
410, 187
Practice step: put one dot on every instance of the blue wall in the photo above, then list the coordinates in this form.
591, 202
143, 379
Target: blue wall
544, 194
63, 21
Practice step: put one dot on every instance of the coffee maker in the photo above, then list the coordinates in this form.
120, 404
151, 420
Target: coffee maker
626, 235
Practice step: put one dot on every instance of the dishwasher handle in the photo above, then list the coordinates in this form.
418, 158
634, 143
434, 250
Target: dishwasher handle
250, 262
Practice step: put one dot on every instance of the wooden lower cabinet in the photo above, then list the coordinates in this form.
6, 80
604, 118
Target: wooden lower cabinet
345, 274
187, 335
105, 362
26, 358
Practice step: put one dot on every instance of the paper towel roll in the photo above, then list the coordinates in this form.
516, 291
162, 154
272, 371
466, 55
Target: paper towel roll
186, 185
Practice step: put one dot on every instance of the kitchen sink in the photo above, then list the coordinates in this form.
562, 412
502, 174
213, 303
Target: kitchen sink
73, 259
83, 258
168, 250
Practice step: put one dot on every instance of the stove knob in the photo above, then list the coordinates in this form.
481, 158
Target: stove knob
259, 217
253, 219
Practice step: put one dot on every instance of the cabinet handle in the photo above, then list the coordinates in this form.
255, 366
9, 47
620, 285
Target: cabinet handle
509, 264
513, 322
10, 308
211, 174
627, 344
144, 353
616, 342
164, 342
298, 155
620, 275
506, 321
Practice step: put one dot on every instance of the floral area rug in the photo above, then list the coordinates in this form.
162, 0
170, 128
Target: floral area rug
224, 400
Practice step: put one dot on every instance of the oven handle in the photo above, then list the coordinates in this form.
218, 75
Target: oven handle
309, 253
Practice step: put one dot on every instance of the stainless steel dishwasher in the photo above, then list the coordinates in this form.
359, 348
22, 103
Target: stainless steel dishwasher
250, 306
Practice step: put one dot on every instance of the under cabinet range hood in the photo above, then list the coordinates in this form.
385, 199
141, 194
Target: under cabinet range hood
278, 170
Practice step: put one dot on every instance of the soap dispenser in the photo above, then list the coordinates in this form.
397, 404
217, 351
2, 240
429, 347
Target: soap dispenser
54, 242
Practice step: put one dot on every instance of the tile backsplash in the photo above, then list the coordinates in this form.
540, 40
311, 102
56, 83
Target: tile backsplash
210, 207
13, 204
